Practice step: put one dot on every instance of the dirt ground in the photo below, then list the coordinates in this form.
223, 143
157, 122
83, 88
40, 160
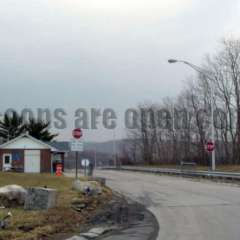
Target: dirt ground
34, 225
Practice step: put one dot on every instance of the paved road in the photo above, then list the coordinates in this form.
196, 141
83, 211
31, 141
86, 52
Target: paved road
185, 209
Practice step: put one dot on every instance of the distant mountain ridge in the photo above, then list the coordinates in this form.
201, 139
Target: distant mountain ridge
104, 147
100, 147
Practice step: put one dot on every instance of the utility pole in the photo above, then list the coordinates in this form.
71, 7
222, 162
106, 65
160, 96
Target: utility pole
212, 129
95, 158
76, 166
201, 71
114, 148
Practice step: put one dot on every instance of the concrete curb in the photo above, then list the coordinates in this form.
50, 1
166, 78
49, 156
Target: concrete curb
140, 224
145, 230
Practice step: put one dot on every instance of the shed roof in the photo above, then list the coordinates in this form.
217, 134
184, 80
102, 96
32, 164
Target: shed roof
13, 143
60, 146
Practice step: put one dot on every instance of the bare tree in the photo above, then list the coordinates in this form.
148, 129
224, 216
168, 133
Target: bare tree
155, 143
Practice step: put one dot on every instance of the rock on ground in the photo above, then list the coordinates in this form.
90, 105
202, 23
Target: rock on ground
12, 195
87, 187
100, 180
89, 235
76, 238
100, 230
40, 198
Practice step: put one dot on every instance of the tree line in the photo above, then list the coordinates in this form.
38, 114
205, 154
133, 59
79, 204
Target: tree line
13, 125
172, 144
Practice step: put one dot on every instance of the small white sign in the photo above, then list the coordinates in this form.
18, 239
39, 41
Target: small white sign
85, 162
76, 145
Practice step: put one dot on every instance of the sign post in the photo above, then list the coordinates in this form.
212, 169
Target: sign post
85, 163
76, 146
76, 165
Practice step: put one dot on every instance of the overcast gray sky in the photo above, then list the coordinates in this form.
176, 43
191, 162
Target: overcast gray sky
104, 53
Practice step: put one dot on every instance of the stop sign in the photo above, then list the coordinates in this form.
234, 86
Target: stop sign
77, 133
210, 146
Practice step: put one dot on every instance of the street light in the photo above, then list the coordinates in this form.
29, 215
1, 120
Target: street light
201, 71
172, 60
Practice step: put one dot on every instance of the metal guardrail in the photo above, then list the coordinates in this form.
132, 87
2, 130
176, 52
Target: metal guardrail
181, 172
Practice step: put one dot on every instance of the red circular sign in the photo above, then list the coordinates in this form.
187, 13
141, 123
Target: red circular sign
210, 146
77, 133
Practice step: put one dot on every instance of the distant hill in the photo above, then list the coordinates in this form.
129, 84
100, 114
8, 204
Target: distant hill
104, 147
100, 147
104, 153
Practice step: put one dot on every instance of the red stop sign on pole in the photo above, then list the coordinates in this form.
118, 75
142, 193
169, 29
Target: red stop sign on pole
210, 146
77, 133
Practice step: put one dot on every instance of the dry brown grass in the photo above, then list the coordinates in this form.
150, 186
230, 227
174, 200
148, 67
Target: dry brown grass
45, 224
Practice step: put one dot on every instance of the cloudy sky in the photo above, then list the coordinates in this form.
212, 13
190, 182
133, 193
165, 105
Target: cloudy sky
104, 53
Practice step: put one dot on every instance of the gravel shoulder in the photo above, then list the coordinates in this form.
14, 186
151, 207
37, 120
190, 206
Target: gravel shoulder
119, 219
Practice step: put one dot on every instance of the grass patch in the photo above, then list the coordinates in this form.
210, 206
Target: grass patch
45, 224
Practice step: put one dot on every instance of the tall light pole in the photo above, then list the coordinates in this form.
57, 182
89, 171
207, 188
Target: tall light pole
114, 148
201, 71
95, 158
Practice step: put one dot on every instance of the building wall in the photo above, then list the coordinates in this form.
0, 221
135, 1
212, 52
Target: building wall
18, 159
46, 160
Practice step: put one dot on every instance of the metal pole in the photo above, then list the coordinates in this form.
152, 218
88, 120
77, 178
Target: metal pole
212, 129
173, 118
85, 168
95, 158
76, 165
52, 163
114, 149
201, 71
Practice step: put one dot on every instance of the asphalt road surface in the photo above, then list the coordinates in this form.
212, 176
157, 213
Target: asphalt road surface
185, 209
